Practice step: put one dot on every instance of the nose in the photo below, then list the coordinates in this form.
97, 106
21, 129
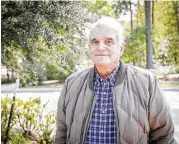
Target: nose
101, 46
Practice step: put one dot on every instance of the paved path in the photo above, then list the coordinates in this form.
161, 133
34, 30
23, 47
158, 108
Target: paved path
9, 88
173, 101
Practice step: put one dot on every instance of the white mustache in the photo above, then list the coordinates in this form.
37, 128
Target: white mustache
101, 55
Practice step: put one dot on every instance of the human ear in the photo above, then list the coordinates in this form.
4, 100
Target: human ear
122, 50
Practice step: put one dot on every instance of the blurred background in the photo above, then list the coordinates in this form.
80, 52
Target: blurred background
43, 42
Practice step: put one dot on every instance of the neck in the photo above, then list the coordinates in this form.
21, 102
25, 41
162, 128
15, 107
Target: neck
105, 70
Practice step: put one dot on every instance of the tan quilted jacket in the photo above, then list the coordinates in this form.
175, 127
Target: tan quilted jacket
142, 114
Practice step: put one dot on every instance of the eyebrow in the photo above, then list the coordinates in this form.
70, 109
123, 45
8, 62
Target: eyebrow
93, 40
109, 38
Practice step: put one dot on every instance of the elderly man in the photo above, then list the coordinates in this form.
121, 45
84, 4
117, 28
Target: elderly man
112, 103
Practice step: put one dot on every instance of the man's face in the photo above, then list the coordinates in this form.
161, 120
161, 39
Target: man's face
104, 47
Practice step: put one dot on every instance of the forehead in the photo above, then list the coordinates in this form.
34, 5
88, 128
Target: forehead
102, 31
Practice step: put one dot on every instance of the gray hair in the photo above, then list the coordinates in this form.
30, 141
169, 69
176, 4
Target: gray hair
111, 23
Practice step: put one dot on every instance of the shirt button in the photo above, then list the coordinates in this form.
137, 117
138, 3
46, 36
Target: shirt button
101, 131
103, 111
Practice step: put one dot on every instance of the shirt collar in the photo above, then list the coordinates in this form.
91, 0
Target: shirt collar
111, 77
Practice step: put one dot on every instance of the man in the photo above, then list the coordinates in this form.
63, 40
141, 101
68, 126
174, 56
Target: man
112, 103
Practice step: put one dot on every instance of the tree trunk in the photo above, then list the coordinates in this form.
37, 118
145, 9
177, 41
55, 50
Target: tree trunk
176, 8
131, 17
132, 28
137, 13
152, 14
148, 35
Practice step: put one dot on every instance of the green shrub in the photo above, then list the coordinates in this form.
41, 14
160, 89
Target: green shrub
5, 110
28, 120
28, 78
177, 69
17, 138
54, 73
6, 81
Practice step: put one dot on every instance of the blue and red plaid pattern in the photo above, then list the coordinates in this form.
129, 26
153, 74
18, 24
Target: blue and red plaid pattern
102, 126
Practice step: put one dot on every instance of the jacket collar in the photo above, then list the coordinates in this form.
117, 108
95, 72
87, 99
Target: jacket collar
119, 78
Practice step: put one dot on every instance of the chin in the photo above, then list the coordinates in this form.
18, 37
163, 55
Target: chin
102, 63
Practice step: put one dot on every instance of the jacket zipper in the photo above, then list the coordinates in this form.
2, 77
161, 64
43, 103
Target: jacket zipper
86, 123
115, 112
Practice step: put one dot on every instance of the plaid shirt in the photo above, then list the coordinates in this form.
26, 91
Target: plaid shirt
102, 126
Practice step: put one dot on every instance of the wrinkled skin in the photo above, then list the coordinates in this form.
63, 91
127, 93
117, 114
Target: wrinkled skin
104, 49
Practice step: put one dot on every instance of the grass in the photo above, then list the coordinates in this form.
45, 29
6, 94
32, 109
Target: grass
169, 84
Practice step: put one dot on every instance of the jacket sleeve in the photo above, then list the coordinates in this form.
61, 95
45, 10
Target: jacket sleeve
160, 121
61, 131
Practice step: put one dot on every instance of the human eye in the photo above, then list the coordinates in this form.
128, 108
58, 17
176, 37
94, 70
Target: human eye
94, 42
109, 42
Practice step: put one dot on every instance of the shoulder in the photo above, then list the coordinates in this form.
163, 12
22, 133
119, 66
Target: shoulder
78, 77
139, 71
79, 74
140, 74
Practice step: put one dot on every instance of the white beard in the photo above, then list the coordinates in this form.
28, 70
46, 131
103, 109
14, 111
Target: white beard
103, 60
